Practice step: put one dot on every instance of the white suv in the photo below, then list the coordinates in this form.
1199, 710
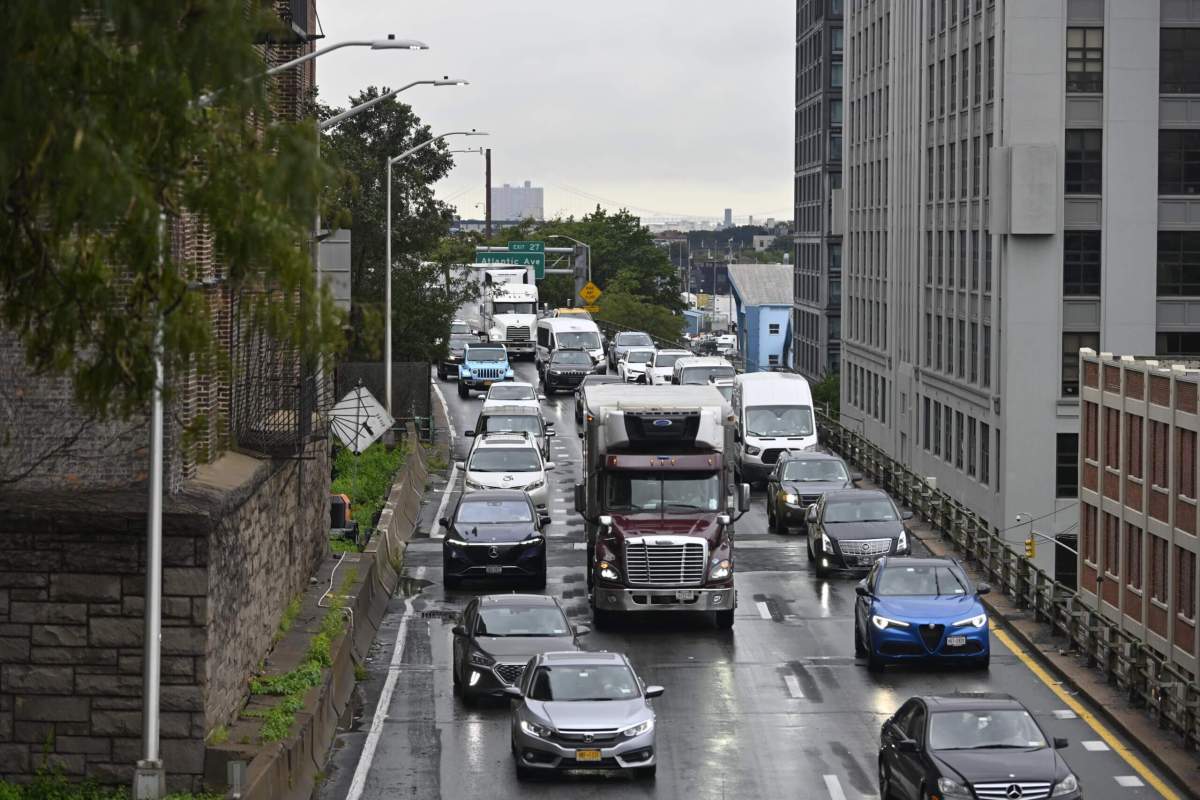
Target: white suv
507, 461
513, 393
664, 364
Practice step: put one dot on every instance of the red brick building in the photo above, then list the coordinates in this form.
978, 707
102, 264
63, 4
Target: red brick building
1138, 494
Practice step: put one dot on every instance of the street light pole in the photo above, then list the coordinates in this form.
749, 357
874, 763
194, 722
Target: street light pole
387, 284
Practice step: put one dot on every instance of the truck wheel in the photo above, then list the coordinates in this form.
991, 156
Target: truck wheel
724, 619
463, 391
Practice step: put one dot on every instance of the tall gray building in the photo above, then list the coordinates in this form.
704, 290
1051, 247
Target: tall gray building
1015, 169
517, 202
818, 176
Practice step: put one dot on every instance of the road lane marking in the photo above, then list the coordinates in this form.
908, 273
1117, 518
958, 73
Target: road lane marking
835, 787
793, 685
359, 782
1128, 781
1095, 746
763, 610
1111, 740
445, 410
1064, 713
437, 532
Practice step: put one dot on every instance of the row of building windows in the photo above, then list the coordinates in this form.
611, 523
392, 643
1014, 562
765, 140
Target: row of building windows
1178, 60
958, 439
944, 14
946, 254
868, 392
959, 348
948, 167
1178, 263
956, 83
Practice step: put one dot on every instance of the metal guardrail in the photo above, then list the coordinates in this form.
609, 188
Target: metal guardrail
1169, 694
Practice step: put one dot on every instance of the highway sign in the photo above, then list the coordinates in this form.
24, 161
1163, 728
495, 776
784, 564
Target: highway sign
516, 259
527, 247
590, 293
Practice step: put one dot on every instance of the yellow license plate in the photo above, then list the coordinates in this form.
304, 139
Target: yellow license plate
587, 755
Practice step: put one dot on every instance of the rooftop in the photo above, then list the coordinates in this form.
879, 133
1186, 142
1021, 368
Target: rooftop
762, 284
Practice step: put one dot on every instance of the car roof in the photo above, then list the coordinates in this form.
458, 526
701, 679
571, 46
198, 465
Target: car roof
794, 455
966, 701
910, 561
567, 658
595, 379
854, 495
511, 383
703, 361
632, 333
642, 349
482, 345
496, 409
568, 323
515, 599
504, 439
492, 495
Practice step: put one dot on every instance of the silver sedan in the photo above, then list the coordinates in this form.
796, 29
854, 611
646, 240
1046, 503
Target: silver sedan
582, 711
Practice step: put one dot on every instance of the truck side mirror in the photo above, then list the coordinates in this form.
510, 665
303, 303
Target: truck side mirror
743, 497
580, 499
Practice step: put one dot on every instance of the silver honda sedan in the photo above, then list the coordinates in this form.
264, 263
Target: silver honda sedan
582, 711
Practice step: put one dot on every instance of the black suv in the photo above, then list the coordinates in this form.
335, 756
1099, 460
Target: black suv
565, 370
797, 481
455, 347
494, 533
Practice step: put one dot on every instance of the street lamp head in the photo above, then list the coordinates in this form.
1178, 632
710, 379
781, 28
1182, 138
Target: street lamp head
448, 81
392, 43
474, 132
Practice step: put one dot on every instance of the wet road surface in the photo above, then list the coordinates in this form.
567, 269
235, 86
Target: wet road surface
776, 708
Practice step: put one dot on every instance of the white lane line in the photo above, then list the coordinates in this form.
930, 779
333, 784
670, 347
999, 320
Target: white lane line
765, 544
832, 784
1128, 781
1064, 713
437, 532
763, 610
359, 782
445, 410
793, 685
1095, 746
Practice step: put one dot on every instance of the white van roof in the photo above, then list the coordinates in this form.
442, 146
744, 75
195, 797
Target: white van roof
773, 388
568, 324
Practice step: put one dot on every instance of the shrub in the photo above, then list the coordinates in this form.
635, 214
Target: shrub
366, 479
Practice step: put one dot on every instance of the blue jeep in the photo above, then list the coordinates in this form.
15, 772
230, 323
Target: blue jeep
483, 364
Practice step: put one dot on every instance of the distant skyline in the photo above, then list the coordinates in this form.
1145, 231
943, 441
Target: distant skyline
670, 109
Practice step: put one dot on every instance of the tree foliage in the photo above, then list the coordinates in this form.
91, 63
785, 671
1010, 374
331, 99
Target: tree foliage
424, 298
100, 135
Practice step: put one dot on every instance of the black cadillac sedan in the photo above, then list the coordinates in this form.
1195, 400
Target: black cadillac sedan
985, 746
495, 533
852, 529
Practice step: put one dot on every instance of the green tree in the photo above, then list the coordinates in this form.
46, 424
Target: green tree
425, 292
101, 133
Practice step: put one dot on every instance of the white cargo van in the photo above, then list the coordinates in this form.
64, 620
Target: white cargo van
774, 412
570, 333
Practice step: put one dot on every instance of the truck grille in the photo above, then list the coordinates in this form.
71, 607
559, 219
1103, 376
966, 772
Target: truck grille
488, 373
518, 333
672, 564
1003, 791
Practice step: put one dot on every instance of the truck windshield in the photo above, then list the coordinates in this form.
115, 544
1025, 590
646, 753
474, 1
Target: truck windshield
700, 375
512, 308
667, 492
779, 421
586, 340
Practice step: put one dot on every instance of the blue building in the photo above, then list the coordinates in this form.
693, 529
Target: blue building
763, 295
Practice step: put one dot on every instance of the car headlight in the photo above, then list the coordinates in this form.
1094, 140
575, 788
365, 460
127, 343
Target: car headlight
533, 729
826, 545
791, 498
464, 371
539, 483
884, 622
608, 571
533, 538
556, 372
902, 542
974, 622
638, 730
1068, 785
508, 373
470, 484
952, 788
720, 569
751, 450
481, 659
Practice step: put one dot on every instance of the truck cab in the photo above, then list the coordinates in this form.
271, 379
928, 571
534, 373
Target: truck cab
659, 501
508, 309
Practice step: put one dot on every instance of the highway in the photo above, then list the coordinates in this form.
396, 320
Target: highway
776, 708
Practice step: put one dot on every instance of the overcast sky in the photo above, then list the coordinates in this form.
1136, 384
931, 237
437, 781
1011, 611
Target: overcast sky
666, 107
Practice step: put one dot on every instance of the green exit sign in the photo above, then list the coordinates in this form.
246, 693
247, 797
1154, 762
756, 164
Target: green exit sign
527, 247
515, 259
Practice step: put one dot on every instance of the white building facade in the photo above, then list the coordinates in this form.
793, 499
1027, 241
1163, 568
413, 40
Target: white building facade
518, 202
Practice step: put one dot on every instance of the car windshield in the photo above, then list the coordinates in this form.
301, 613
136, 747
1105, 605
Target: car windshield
582, 683
667, 359
701, 375
571, 358
920, 581
522, 621
586, 340
822, 470
459, 327
511, 391
640, 356
865, 510
508, 307
779, 421
633, 340
505, 459
984, 730
512, 423
485, 354
482, 512
667, 492
462, 339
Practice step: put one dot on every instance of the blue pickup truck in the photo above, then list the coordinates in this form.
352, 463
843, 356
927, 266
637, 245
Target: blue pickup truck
483, 364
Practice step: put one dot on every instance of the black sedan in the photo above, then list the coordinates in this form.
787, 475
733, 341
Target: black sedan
565, 370
798, 481
495, 533
455, 347
590, 380
499, 634
986, 746
852, 529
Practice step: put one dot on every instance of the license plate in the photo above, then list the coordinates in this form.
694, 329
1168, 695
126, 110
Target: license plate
587, 755
493, 569
956, 641
685, 595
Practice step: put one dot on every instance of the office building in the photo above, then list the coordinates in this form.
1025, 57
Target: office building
1137, 492
1014, 172
818, 176
729, 218
517, 202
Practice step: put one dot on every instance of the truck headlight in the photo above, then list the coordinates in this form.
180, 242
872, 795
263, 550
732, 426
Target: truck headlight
720, 570
508, 373
533, 729
751, 450
556, 372
608, 571
639, 729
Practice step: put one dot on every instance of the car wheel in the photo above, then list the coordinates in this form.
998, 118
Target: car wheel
539, 580
463, 391
724, 619
860, 651
645, 773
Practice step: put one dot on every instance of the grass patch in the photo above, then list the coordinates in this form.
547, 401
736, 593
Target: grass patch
366, 479
343, 545
289, 618
49, 784
219, 735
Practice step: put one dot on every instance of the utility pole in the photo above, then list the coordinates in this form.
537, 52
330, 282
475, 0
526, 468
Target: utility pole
487, 190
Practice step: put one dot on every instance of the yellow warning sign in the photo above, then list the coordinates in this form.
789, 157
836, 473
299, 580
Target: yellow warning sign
590, 293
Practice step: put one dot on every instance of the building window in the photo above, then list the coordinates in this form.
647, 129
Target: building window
1085, 59
1185, 463
1071, 344
938, 345
959, 434
773, 360
835, 112
1158, 569
991, 71
977, 69
962, 348
1087, 547
1083, 161
1159, 432
773, 328
928, 339
1179, 263
1066, 466
1176, 344
1091, 430
971, 446
1185, 583
835, 40
973, 355
985, 453
937, 429
1178, 162
1133, 445
1133, 556
986, 357
1081, 263
925, 426
1179, 60
1112, 438
835, 76
1112, 544
948, 435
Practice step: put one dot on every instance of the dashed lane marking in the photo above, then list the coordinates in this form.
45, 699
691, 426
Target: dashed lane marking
763, 610
835, 787
1111, 740
1064, 713
793, 686
1128, 781
1095, 746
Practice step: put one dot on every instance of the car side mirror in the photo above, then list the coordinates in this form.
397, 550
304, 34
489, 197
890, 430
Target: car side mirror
861, 589
856, 478
460, 465
654, 691
550, 465
983, 588
906, 514
459, 630
907, 745
1060, 742
581, 630
469, 434
444, 522
743, 497
542, 397
580, 499
544, 519
811, 515
514, 692
549, 428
